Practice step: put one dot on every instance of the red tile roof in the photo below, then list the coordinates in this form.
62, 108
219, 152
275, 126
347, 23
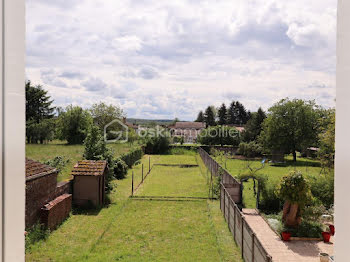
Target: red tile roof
192, 125
89, 168
35, 168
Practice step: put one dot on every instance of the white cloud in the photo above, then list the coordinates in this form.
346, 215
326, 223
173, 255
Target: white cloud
174, 58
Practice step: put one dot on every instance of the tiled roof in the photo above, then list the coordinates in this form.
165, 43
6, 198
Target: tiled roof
195, 125
35, 168
89, 168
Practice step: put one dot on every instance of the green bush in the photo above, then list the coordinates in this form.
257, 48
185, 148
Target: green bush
120, 169
58, 162
251, 149
294, 188
322, 187
132, 156
310, 229
156, 144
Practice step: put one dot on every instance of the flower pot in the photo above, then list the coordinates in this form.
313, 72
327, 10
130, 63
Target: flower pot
326, 236
332, 229
286, 236
324, 257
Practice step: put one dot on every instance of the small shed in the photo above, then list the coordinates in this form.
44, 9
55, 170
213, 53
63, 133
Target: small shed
89, 182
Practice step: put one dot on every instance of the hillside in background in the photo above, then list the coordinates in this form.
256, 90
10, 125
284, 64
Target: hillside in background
150, 122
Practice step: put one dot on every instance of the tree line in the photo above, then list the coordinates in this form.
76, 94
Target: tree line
44, 122
235, 114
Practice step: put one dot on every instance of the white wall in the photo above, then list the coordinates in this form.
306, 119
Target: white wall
12, 124
342, 158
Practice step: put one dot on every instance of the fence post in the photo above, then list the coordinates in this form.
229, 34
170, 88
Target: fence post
242, 236
149, 164
224, 204
132, 184
142, 173
220, 197
228, 215
234, 222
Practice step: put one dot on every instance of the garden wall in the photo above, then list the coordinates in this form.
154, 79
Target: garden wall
251, 248
230, 194
40, 191
232, 185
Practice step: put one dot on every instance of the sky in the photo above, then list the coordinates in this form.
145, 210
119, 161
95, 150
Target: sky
166, 59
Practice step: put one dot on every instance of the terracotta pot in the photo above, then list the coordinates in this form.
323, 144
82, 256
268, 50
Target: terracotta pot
286, 236
332, 229
326, 236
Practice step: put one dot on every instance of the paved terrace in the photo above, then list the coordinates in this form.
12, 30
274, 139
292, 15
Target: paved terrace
293, 251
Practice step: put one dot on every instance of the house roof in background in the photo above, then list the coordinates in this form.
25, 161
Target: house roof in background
35, 169
195, 125
89, 168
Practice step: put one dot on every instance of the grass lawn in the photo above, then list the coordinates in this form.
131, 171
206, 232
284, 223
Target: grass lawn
139, 230
72, 152
236, 167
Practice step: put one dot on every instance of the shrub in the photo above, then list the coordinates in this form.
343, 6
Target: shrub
251, 149
306, 229
132, 156
156, 144
120, 169
58, 162
322, 187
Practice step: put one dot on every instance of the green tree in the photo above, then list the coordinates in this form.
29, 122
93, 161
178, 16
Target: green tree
295, 191
237, 114
291, 126
254, 126
38, 103
156, 143
222, 115
40, 124
102, 114
73, 124
327, 138
219, 135
209, 116
200, 117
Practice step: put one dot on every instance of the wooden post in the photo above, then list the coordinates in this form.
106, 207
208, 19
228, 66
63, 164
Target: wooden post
149, 164
212, 185
132, 184
234, 222
224, 203
228, 215
242, 236
142, 173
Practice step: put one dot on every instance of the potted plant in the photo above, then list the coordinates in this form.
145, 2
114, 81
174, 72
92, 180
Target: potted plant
286, 235
326, 236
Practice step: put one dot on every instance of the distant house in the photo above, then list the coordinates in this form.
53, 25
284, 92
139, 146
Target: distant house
238, 127
188, 130
129, 125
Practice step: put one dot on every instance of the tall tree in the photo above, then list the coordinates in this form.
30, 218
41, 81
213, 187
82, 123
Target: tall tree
200, 117
102, 114
222, 115
231, 113
254, 126
38, 103
209, 116
242, 115
73, 124
291, 126
39, 114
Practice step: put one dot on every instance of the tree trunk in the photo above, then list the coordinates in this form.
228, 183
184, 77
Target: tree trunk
291, 214
294, 156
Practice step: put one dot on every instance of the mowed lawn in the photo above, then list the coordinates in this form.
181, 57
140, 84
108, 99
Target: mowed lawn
73, 153
274, 173
144, 230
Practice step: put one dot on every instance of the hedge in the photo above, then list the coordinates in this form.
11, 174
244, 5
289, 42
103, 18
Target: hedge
132, 156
